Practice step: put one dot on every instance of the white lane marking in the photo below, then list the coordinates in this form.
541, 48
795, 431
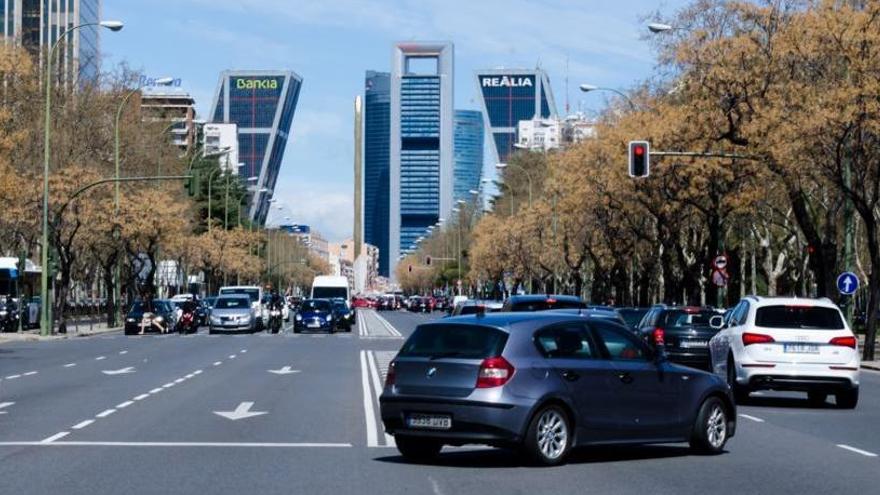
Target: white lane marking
197, 372
377, 387
124, 404
121, 371
70, 365
291, 445
435, 486
393, 331
285, 370
218, 363
4, 405
100, 358
142, 397
13, 377
104, 414
857, 451
168, 385
156, 390
369, 414
179, 380
232, 356
242, 411
753, 418
54, 437
29, 373
83, 424
123, 352
243, 351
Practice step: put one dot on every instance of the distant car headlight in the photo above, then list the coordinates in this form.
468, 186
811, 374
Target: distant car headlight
329, 317
4, 313
347, 316
215, 319
130, 320
244, 319
299, 317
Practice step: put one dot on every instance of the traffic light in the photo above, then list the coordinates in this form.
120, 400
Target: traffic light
639, 158
428, 260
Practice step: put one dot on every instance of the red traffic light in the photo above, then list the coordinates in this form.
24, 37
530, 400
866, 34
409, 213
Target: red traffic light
639, 158
639, 150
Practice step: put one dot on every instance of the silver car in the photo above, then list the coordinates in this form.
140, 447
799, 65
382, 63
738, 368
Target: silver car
232, 314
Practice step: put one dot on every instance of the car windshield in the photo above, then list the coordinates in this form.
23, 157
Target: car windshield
632, 317
460, 341
471, 309
329, 292
683, 319
545, 304
800, 317
231, 303
253, 294
315, 305
340, 306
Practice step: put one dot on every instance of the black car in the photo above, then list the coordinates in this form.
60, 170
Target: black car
162, 320
682, 331
537, 302
9, 316
315, 314
632, 316
345, 316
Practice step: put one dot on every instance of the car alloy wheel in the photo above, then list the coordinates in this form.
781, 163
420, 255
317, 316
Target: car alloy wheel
710, 431
716, 427
549, 436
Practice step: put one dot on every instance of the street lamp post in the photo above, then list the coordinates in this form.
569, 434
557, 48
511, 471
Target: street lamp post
502, 166
586, 88
44, 247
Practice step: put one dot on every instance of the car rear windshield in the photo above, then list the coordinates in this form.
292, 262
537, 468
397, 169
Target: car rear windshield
315, 306
254, 294
231, 303
329, 292
458, 341
684, 319
800, 317
545, 304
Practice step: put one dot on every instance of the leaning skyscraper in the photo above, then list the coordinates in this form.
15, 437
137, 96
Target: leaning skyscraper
261, 103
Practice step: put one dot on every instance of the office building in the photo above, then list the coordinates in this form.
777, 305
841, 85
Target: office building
174, 107
261, 104
468, 143
421, 146
377, 181
37, 24
509, 96
553, 133
219, 137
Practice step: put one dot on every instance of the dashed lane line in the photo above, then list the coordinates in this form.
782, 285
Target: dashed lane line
82, 424
70, 365
156, 390
857, 451
100, 358
54, 437
124, 404
30, 373
13, 377
50, 442
377, 388
141, 397
369, 412
105, 413
218, 363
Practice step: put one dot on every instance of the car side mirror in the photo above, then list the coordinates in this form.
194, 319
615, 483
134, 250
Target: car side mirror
716, 322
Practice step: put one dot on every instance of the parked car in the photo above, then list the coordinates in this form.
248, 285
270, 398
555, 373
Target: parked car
475, 306
315, 315
541, 303
795, 344
544, 383
233, 313
157, 316
682, 331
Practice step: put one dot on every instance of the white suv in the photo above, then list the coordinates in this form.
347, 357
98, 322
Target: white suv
776, 343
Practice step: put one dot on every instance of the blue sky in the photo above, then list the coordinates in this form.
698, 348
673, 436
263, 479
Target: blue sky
330, 43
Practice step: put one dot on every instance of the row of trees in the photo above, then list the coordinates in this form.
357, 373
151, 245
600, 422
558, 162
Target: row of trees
787, 86
89, 235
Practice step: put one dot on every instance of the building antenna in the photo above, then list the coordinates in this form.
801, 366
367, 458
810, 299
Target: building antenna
566, 86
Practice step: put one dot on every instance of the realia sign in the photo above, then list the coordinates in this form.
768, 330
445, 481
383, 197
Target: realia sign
241, 83
507, 81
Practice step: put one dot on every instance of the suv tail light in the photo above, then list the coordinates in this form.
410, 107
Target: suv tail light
391, 376
756, 338
494, 372
659, 337
844, 341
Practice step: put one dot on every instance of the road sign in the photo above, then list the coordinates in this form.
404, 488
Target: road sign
847, 283
720, 262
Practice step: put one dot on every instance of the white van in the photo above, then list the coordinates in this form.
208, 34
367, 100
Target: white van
329, 287
255, 293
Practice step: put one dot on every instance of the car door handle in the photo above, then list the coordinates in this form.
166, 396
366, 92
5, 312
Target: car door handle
625, 378
570, 375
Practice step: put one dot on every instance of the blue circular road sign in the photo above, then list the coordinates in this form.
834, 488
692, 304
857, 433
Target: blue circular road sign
847, 283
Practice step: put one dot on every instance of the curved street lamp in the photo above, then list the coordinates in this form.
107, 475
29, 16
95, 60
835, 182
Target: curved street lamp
586, 88
44, 247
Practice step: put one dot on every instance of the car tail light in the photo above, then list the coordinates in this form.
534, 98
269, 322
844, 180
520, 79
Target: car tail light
844, 341
756, 338
391, 376
494, 372
659, 336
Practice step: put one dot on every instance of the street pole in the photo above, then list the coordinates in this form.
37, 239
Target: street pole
210, 182
849, 234
226, 206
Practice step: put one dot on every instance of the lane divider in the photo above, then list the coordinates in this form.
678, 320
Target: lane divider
857, 451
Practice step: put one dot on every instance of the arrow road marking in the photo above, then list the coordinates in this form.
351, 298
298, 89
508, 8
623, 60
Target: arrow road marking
121, 371
242, 411
283, 371
4, 405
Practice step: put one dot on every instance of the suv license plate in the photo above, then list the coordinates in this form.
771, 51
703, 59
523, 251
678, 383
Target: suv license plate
429, 421
690, 344
801, 348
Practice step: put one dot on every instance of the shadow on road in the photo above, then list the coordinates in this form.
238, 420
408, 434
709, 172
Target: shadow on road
787, 403
498, 458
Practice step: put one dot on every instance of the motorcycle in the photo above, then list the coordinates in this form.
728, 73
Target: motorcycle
275, 320
186, 323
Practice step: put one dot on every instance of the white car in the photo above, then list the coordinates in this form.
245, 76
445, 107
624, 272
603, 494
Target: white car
793, 344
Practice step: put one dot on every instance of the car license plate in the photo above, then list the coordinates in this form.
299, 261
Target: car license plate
429, 421
691, 344
801, 348
314, 325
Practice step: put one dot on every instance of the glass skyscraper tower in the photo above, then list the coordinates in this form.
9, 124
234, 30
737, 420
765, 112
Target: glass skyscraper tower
37, 24
262, 104
377, 179
421, 142
509, 96
468, 130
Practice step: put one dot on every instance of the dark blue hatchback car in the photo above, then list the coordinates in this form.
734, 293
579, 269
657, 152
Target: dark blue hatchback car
544, 383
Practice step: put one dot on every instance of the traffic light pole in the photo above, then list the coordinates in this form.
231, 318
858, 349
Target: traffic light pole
698, 154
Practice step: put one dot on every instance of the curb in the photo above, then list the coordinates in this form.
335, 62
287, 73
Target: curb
872, 366
33, 337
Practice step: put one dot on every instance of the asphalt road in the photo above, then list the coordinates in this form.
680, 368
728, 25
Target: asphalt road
298, 414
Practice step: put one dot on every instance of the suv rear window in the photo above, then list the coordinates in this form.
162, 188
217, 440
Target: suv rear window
459, 341
800, 317
545, 305
681, 318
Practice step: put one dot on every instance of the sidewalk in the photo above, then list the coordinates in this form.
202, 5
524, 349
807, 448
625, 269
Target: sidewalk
74, 329
871, 365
